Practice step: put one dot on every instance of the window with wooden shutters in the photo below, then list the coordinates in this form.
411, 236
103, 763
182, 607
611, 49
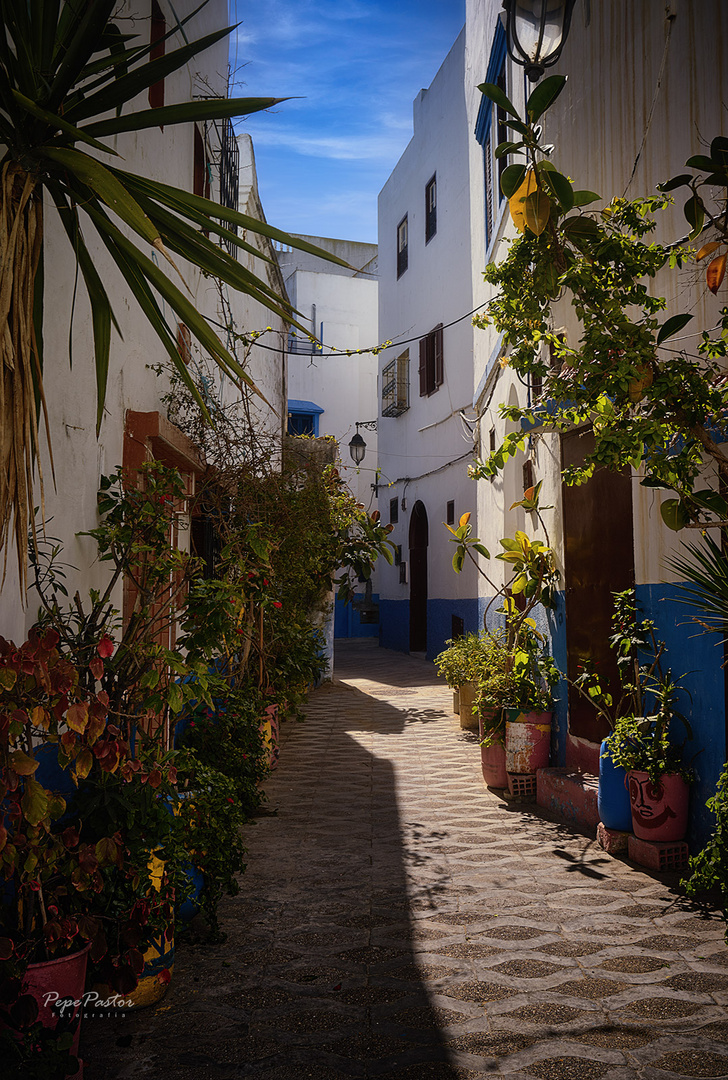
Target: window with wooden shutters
490, 129
430, 209
431, 370
157, 42
402, 246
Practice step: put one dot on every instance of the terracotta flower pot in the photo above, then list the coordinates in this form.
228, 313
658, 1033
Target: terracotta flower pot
659, 811
52, 982
493, 760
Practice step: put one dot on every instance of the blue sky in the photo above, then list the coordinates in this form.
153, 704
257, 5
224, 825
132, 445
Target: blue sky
356, 65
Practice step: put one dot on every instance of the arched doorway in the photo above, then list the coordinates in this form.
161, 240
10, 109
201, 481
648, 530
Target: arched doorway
418, 578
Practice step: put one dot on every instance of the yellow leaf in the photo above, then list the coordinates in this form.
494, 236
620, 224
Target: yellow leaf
83, 764
715, 273
464, 520
34, 802
40, 717
528, 493
515, 203
77, 717
536, 209
708, 249
22, 764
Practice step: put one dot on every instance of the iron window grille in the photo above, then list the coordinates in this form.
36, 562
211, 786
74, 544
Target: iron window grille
395, 386
229, 177
393, 511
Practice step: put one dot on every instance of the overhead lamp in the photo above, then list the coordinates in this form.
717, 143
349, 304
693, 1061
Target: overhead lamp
536, 31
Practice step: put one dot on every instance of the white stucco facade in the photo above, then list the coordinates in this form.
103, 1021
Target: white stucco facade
424, 452
133, 384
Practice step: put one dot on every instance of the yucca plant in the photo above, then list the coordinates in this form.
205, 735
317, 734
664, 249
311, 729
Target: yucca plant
704, 584
66, 74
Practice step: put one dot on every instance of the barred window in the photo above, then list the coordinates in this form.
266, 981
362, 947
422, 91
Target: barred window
395, 386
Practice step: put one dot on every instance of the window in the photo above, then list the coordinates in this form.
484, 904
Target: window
450, 516
403, 573
457, 627
303, 418
430, 209
431, 364
490, 130
536, 386
402, 246
529, 479
200, 172
156, 39
395, 386
229, 177
393, 511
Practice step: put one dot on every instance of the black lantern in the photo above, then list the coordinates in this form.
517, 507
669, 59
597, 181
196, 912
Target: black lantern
536, 31
357, 449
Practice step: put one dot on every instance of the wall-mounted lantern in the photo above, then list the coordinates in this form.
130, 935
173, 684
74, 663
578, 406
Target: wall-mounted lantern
357, 446
536, 31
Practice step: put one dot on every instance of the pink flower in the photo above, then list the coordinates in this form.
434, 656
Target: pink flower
230, 799
192, 723
277, 603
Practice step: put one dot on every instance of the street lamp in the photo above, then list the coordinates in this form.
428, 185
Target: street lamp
536, 31
357, 446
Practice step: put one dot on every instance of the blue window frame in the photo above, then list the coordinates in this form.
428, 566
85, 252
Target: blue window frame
489, 134
303, 417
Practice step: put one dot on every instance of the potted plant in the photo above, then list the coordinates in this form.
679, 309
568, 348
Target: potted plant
528, 702
641, 742
50, 869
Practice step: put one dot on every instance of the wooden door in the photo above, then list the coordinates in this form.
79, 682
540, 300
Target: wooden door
418, 539
599, 560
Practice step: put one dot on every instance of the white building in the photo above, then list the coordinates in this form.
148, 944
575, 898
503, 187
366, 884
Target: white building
332, 386
647, 86
427, 295
135, 427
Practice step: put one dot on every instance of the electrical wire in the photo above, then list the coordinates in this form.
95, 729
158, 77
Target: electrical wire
362, 352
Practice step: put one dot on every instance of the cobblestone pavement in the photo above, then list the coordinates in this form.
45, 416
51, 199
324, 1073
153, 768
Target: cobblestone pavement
397, 919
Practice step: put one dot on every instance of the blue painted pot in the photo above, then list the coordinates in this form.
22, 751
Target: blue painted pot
615, 811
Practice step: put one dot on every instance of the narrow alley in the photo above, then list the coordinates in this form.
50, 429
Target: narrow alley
398, 919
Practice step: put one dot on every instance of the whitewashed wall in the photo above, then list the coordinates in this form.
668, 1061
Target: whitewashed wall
81, 458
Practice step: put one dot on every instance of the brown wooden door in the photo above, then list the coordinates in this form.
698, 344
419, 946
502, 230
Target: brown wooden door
418, 539
599, 560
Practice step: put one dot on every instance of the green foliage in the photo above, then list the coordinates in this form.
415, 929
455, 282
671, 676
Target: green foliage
209, 818
641, 718
656, 407
709, 869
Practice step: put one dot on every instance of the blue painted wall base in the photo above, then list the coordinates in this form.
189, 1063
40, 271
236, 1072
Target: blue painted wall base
348, 624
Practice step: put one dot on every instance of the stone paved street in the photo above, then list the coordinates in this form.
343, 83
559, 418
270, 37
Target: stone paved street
397, 919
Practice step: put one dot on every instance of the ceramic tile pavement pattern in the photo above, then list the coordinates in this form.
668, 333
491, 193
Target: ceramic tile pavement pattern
397, 919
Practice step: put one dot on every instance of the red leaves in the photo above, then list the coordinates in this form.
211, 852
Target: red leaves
96, 667
105, 647
71, 837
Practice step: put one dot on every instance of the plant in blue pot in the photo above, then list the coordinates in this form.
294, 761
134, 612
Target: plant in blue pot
642, 686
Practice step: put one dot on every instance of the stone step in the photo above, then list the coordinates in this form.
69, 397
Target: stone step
570, 795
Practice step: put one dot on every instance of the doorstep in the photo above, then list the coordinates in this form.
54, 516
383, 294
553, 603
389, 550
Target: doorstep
570, 795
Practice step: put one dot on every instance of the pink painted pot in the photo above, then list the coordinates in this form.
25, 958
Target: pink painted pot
493, 763
493, 757
659, 811
528, 743
66, 978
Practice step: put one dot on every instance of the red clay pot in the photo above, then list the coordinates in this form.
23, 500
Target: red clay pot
492, 758
659, 811
528, 742
66, 978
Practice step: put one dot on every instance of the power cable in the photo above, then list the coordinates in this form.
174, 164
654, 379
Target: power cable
360, 352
